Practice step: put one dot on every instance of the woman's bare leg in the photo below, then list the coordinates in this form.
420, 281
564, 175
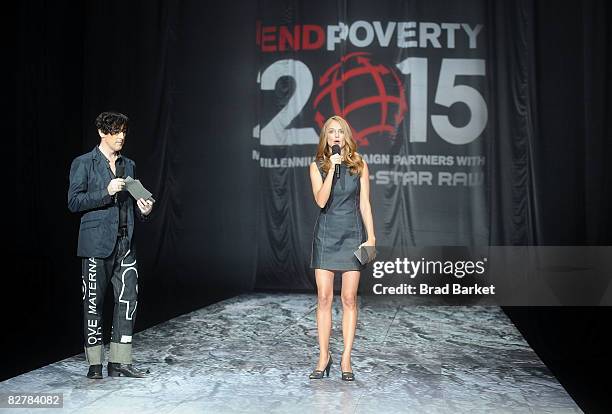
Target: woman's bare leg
325, 295
350, 283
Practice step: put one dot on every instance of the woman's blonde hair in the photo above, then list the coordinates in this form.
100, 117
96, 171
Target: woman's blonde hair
353, 160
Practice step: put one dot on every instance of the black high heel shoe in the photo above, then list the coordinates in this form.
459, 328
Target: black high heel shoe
347, 375
318, 374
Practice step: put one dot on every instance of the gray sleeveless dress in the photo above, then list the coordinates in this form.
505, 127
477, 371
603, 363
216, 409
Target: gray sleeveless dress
339, 228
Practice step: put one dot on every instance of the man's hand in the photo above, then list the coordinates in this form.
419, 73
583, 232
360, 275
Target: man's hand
145, 206
116, 185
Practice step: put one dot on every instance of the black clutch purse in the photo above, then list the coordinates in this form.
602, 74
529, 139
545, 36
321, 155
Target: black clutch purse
365, 254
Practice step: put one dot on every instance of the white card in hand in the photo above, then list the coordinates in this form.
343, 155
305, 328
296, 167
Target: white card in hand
137, 190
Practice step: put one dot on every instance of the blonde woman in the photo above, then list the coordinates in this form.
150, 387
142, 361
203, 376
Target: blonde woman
344, 220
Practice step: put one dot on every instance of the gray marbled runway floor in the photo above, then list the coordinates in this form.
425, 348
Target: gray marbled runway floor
253, 354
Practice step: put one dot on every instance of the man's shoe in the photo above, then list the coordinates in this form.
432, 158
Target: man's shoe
116, 369
95, 372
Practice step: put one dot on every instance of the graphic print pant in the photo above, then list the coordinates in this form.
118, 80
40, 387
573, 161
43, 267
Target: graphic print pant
120, 269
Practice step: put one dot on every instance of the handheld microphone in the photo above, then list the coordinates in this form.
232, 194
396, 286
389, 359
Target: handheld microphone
336, 150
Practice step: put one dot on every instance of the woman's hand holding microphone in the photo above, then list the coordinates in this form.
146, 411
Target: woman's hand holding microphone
336, 159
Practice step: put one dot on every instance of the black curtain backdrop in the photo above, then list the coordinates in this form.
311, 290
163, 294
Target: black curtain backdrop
181, 72
572, 190
185, 74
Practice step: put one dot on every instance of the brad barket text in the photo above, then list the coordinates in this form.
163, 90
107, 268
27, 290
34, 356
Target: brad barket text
425, 289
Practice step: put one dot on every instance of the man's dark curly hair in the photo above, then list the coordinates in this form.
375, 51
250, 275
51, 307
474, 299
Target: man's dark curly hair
112, 122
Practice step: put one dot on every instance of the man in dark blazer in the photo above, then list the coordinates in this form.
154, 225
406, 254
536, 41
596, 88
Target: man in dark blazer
106, 244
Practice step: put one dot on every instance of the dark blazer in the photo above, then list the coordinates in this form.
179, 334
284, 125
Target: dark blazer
88, 194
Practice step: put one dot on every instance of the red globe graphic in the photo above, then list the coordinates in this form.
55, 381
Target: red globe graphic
369, 95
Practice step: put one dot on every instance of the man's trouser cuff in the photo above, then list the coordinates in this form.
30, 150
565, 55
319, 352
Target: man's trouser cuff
94, 354
120, 353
